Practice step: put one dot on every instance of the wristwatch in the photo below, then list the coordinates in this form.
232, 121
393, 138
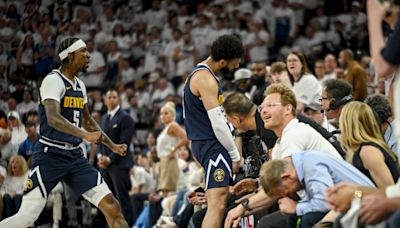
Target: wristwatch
245, 204
358, 194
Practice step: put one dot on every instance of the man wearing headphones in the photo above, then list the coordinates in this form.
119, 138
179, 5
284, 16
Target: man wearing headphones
335, 94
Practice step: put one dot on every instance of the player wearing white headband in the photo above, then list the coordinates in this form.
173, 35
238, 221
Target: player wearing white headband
64, 122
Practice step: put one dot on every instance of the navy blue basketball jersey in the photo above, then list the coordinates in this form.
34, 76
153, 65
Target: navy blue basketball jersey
71, 108
197, 123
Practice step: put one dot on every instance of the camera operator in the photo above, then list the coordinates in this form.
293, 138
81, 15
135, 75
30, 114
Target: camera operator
255, 140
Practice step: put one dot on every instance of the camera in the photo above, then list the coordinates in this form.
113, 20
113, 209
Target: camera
254, 155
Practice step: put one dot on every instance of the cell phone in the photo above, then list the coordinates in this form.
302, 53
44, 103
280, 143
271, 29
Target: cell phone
199, 189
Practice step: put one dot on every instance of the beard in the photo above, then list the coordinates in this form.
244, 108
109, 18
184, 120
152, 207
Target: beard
226, 73
257, 81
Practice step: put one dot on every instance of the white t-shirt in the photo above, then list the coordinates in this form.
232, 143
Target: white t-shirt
23, 107
258, 53
168, 54
14, 184
140, 177
298, 137
307, 89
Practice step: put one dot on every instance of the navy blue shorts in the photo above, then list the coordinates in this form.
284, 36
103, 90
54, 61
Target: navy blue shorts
216, 162
50, 167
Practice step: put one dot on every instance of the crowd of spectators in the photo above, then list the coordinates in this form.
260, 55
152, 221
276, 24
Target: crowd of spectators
145, 50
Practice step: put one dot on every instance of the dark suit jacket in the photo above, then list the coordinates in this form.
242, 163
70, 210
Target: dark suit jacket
120, 129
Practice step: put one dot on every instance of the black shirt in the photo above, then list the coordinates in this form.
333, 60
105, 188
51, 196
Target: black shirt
391, 164
266, 135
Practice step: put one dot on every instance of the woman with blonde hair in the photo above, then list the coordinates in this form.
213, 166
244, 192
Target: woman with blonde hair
14, 183
366, 149
169, 140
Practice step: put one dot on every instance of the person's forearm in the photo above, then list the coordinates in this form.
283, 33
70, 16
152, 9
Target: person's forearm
181, 142
58, 122
92, 125
369, 190
377, 42
260, 200
393, 204
257, 209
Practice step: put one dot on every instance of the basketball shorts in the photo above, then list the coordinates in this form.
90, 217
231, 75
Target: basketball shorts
216, 162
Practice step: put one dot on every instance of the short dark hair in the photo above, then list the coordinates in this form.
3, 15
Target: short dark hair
337, 88
380, 105
227, 47
348, 52
237, 103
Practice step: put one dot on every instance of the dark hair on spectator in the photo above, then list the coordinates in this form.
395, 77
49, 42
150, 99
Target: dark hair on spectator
24, 45
190, 157
305, 69
337, 88
32, 112
237, 103
227, 47
178, 31
30, 29
380, 105
118, 26
64, 45
349, 53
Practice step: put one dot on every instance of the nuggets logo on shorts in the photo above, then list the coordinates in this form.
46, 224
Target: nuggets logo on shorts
220, 99
28, 184
219, 175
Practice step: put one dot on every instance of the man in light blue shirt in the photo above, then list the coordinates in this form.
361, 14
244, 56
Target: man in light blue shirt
313, 172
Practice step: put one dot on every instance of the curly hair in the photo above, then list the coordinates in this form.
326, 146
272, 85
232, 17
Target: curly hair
227, 47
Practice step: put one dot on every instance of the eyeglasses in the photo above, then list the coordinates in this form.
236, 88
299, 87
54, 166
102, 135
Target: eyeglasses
323, 98
270, 105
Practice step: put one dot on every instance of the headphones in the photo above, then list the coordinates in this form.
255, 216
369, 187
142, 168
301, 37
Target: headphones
336, 104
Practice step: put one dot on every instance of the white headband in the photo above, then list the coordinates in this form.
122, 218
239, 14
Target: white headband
75, 46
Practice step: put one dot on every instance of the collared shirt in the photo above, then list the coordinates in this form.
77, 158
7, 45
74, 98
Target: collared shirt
113, 112
316, 172
390, 139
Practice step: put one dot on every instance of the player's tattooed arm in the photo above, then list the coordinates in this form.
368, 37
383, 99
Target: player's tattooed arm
91, 125
58, 122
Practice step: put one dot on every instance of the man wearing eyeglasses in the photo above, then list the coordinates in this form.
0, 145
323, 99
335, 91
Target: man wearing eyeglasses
335, 94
